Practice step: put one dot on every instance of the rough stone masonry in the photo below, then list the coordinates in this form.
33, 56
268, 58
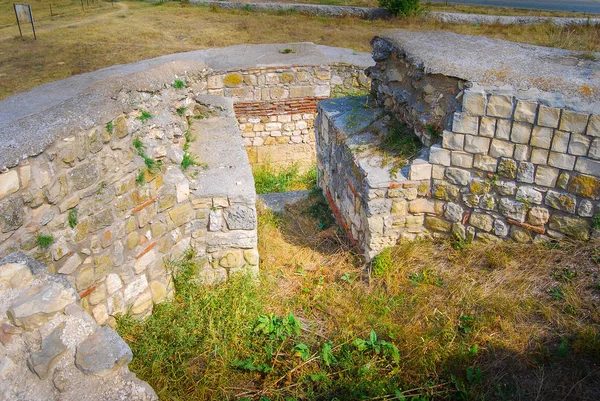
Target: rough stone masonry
512, 134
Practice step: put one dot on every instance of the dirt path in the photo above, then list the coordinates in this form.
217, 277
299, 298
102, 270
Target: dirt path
50, 25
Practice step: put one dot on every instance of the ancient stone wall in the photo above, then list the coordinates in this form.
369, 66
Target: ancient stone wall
276, 106
505, 162
118, 204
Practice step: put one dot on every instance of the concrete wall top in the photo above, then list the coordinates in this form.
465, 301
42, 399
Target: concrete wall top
31, 121
561, 78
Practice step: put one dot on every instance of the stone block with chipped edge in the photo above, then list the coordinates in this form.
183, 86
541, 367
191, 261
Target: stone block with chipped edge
579, 144
500, 106
521, 153
465, 124
474, 102
539, 156
462, 159
548, 116
561, 161
525, 111
487, 127
438, 155
499, 148
453, 141
560, 143
546, 176
476, 144
574, 122
541, 137
588, 166
520, 133
485, 163
593, 128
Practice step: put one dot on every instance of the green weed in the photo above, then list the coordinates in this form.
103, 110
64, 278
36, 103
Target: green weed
178, 84
110, 127
145, 116
140, 178
44, 241
72, 217
180, 110
188, 161
382, 263
267, 179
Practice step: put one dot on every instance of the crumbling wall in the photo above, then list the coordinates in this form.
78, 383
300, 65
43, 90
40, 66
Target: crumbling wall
507, 162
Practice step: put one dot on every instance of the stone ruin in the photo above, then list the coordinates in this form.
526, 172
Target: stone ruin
511, 149
511, 135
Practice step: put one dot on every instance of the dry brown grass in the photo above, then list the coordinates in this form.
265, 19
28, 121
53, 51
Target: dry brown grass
82, 42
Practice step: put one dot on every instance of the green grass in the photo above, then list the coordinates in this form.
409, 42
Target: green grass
268, 179
494, 322
145, 116
140, 178
178, 84
188, 161
399, 146
73, 217
44, 241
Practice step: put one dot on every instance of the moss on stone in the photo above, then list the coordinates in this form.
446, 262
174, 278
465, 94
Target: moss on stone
507, 168
586, 186
286, 77
479, 188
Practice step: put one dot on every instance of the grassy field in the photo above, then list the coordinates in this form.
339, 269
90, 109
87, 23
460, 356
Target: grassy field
435, 320
76, 42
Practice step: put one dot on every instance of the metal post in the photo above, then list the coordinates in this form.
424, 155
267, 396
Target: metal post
18, 22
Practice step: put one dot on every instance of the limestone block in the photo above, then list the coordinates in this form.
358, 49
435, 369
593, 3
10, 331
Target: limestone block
239, 217
526, 172
462, 159
465, 124
521, 153
181, 214
513, 209
414, 222
588, 166
562, 161
546, 176
585, 208
31, 310
17, 275
548, 116
215, 220
506, 188
302, 91
500, 148
102, 353
42, 361
71, 265
144, 261
525, 111
488, 202
9, 183
437, 172
135, 288
595, 149
485, 163
453, 141
585, 185
482, 221
503, 128
593, 128
474, 102
487, 127
563, 180
84, 175
100, 313
445, 191
539, 156
500, 106
420, 171
520, 133
454, 212
561, 201
24, 175
458, 176
438, 155
541, 137
159, 291
538, 216
561, 141
438, 224
422, 205
529, 195
573, 122
575, 227
500, 228
579, 144
477, 144
113, 283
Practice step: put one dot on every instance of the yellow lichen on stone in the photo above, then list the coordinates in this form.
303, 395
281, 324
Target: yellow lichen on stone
479, 188
586, 186
286, 78
232, 80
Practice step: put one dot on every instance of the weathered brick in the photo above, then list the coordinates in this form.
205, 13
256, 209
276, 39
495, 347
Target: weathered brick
586, 186
500, 148
482, 221
520, 133
548, 116
500, 106
561, 141
573, 122
546, 176
572, 226
485, 163
529, 195
588, 166
561, 160
474, 102
526, 111
462, 159
561, 201
477, 144
593, 128
541, 137
458, 176
525, 172
453, 141
595, 149
539, 156
503, 128
438, 155
465, 124
9, 183
437, 224
420, 171
487, 127
521, 153
579, 144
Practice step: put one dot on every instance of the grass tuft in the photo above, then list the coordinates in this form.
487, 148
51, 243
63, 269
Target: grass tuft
44, 241
178, 84
72, 217
268, 179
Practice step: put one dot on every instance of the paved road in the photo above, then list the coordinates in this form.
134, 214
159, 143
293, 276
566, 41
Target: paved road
580, 6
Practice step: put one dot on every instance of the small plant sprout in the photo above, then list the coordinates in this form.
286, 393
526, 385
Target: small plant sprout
140, 179
72, 218
181, 110
44, 241
178, 84
145, 116
188, 161
138, 145
110, 127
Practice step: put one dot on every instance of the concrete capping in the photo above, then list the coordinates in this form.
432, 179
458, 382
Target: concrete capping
33, 120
